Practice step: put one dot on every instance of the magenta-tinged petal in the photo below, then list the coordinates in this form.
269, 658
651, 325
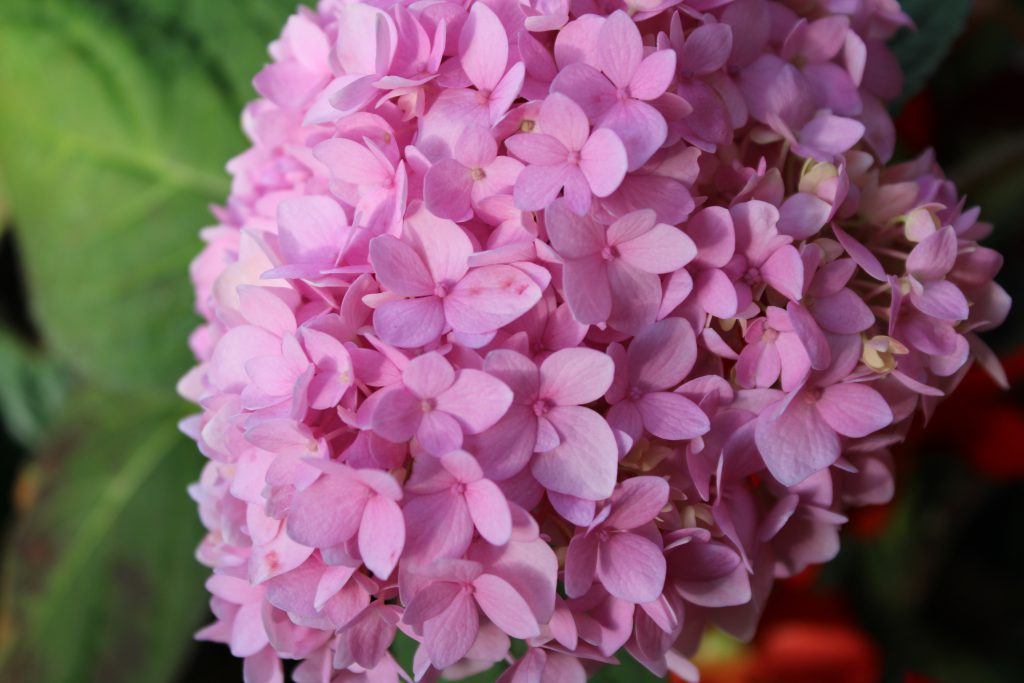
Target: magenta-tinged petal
662, 354
802, 215
409, 322
447, 190
934, 256
941, 299
603, 161
430, 601
810, 335
587, 87
587, 290
264, 666
662, 249
490, 512
854, 410
672, 416
860, 254
784, 271
620, 48
573, 236
586, 462
631, 567
397, 415
795, 443
436, 525
429, 375
641, 128
504, 606
537, 186
636, 296
489, 298
538, 148
712, 232
580, 564
381, 536
637, 501
483, 47
328, 512
654, 75
449, 635
439, 432
575, 376
843, 313
476, 399
565, 120
517, 371
831, 135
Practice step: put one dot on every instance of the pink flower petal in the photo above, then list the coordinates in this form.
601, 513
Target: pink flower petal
854, 410
795, 443
672, 416
429, 375
631, 567
586, 463
489, 298
483, 47
620, 49
489, 510
637, 501
575, 376
381, 536
409, 323
504, 606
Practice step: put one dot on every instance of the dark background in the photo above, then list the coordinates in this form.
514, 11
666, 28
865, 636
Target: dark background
115, 120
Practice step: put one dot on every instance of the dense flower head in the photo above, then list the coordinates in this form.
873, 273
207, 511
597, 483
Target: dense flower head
574, 323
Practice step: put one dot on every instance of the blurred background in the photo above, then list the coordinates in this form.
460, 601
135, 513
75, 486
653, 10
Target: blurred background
116, 119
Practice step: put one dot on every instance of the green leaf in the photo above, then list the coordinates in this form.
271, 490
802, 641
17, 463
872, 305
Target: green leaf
100, 583
921, 51
112, 151
32, 389
627, 671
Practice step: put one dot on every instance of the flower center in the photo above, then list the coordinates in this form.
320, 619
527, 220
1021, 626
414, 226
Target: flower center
459, 488
609, 253
542, 406
574, 156
477, 174
427, 404
441, 289
770, 334
752, 277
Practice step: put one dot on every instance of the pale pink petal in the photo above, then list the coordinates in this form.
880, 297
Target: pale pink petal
860, 254
810, 335
636, 296
399, 268
662, 354
489, 298
654, 75
934, 256
427, 376
587, 290
328, 512
604, 162
586, 463
449, 635
483, 47
641, 128
537, 186
430, 601
490, 512
476, 147
571, 235
580, 564
662, 249
784, 271
587, 86
381, 536
843, 313
637, 501
619, 48
397, 415
853, 409
672, 416
941, 299
476, 399
575, 376
439, 432
445, 246
796, 443
504, 606
312, 230
537, 148
563, 119
446, 190
409, 323
631, 567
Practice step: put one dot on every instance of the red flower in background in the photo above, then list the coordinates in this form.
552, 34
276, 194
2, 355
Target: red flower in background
995, 442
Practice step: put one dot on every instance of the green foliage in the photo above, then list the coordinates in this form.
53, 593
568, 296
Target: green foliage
921, 51
32, 388
116, 121
104, 587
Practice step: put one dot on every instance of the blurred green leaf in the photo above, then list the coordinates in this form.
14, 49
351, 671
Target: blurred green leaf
101, 584
116, 125
32, 389
921, 51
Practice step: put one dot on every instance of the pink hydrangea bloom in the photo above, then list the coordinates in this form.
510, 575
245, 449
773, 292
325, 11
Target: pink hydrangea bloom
571, 323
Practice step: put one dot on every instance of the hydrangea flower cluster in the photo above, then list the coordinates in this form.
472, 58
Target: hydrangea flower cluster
569, 323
